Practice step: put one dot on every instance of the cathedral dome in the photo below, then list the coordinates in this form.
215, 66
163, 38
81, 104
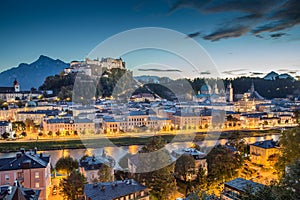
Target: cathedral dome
205, 89
31, 104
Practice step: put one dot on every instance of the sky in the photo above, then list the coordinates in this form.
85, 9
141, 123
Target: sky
242, 37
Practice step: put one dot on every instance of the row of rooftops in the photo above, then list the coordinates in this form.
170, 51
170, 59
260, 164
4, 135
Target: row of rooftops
25, 160
18, 192
4, 123
67, 121
95, 163
266, 144
43, 112
117, 189
113, 190
241, 185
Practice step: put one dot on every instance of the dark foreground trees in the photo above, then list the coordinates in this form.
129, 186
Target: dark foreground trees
105, 173
66, 164
184, 166
290, 149
161, 181
287, 188
223, 163
72, 187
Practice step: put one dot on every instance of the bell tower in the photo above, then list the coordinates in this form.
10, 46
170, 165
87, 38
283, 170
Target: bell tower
16, 86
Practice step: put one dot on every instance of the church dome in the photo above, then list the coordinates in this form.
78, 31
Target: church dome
31, 104
205, 89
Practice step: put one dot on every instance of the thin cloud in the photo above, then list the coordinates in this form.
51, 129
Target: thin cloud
205, 73
224, 33
197, 4
257, 17
257, 73
160, 70
242, 74
233, 72
288, 70
259, 36
192, 35
246, 6
277, 35
287, 16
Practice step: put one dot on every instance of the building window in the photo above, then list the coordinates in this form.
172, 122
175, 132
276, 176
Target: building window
20, 175
37, 175
7, 177
37, 184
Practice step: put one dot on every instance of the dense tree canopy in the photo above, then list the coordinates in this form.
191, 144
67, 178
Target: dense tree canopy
105, 173
223, 163
288, 186
72, 187
161, 182
66, 164
62, 85
5, 135
290, 148
184, 166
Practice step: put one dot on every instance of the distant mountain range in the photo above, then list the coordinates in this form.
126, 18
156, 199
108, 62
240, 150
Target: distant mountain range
33, 74
273, 76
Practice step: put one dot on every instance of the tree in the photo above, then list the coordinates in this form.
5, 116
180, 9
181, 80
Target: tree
291, 178
105, 173
290, 149
297, 115
5, 135
287, 188
67, 164
236, 140
18, 126
161, 181
222, 163
50, 133
184, 167
201, 180
24, 134
72, 186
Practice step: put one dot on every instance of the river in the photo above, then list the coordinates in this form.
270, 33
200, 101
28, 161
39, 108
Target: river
119, 152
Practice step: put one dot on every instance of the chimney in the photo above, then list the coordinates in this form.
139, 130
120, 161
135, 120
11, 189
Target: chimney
102, 188
35, 150
41, 155
18, 155
22, 150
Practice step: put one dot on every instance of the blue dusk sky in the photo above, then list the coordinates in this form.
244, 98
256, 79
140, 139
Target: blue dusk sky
242, 37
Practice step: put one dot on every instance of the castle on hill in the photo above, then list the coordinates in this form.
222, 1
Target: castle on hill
95, 66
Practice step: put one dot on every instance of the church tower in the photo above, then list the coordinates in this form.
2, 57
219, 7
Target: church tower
216, 89
16, 86
252, 89
230, 92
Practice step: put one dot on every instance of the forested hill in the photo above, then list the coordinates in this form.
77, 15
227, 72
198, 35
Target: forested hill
62, 85
269, 89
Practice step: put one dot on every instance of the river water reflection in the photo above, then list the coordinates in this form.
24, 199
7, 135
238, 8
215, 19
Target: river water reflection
119, 152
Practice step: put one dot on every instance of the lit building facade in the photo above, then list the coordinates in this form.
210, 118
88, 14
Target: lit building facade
30, 169
264, 153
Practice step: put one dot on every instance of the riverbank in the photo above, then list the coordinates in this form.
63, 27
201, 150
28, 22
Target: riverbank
103, 141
